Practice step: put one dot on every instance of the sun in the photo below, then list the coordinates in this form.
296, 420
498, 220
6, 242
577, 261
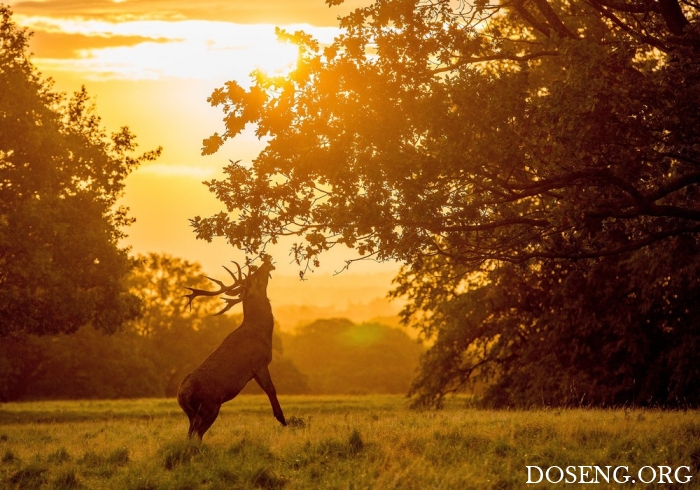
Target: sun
275, 58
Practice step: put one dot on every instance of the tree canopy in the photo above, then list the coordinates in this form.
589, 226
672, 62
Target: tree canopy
60, 177
520, 158
495, 132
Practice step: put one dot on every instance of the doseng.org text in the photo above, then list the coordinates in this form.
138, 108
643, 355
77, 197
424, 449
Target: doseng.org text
608, 474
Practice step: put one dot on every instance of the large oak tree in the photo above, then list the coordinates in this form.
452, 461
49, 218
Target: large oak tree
60, 176
519, 158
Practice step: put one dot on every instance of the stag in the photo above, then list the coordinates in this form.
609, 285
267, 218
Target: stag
243, 355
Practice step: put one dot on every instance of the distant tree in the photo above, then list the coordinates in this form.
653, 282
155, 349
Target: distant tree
19, 357
159, 281
60, 176
88, 363
342, 357
178, 337
519, 158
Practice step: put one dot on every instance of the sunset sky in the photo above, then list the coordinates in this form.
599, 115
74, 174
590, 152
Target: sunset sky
150, 65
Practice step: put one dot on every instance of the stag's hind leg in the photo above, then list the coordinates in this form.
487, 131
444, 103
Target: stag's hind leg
200, 411
202, 418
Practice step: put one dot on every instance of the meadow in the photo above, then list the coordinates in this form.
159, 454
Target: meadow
343, 442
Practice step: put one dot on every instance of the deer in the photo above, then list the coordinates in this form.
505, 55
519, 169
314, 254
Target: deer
243, 355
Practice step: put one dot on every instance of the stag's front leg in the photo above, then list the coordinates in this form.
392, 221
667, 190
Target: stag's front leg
262, 377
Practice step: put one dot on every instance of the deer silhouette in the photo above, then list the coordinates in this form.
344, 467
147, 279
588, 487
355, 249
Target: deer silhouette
243, 355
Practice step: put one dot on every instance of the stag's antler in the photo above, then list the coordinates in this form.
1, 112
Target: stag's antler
237, 289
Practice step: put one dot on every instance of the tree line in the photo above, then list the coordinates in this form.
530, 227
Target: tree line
150, 355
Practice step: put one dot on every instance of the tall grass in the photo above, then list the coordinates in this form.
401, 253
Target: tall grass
331, 442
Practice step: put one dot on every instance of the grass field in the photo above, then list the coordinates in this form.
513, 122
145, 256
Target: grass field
332, 442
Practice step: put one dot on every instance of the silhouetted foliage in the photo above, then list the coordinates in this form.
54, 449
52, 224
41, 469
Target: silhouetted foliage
622, 331
520, 159
339, 356
60, 176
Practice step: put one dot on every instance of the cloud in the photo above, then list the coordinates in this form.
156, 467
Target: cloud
202, 30
64, 45
156, 49
278, 12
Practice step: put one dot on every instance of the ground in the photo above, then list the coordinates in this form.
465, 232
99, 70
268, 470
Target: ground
340, 442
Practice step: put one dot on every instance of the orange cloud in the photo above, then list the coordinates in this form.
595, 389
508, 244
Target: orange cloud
278, 12
63, 45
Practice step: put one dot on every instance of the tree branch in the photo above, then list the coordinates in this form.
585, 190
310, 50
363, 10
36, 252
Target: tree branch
490, 226
496, 57
519, 6
553, 19
674, 185
641, 37
628, 247
673, 16
674, 212
632, 8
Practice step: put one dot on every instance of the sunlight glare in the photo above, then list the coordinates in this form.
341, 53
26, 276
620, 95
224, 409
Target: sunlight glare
277, 59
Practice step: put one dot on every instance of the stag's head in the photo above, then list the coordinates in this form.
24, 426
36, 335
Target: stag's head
255, 284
